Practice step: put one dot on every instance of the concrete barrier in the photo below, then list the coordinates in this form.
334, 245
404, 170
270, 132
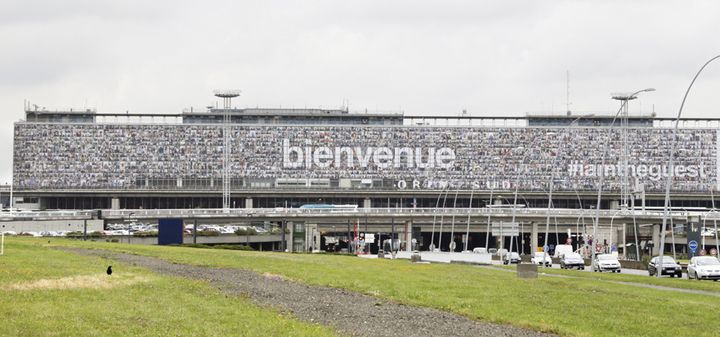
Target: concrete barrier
50, 226
526, 270
448, 257
629, 264
473, 258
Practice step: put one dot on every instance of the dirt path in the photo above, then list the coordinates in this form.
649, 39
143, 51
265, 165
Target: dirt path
351, 313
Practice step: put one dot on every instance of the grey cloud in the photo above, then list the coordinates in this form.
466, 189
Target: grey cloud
490, 57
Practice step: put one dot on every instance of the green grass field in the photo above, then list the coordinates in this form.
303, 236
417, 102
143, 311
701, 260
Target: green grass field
47, 292
588, 306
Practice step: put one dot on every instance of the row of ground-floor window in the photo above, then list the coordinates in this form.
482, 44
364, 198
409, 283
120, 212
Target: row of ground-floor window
162, 202
337, 241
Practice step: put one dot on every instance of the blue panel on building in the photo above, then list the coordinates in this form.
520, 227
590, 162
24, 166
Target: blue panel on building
170, 231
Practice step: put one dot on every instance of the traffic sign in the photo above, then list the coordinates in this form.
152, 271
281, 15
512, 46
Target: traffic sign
693, 245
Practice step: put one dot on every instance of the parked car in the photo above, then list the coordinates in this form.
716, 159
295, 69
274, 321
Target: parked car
511, 257
606, 262
541, 258
669, 267
572, 260
704, 268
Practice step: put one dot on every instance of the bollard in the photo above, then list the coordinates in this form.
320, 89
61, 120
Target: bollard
415, 257
527, 270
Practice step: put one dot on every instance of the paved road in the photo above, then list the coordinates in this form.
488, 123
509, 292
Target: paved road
588, 269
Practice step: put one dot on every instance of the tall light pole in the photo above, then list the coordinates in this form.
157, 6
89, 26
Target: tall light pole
437, 204
227, 96
602, 174
671, 161
467, 229
624, 189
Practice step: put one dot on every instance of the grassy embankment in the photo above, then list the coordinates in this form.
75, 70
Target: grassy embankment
47, 292
569, 306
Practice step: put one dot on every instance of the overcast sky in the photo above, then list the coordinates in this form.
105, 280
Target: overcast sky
421, 57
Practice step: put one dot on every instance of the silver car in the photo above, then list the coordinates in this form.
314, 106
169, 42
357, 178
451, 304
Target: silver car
606, 262
704, 268
541, 258
572, 260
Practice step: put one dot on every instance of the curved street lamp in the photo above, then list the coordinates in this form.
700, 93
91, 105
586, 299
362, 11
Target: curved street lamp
671, 160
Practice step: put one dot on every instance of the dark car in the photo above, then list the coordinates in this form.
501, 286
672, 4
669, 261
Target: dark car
669, 267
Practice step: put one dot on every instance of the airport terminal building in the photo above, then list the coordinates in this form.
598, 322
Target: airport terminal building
286, 158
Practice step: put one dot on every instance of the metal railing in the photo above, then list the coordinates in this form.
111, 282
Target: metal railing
360, 212
350, 213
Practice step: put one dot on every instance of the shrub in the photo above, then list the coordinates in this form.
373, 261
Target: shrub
145, 234
246, 231
195, 245
96, 234
233, 247
278, 230
208, 233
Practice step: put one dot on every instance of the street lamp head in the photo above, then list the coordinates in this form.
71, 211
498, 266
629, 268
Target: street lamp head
622, 96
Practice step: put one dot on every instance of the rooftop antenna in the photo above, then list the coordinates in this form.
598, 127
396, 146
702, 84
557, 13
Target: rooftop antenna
227, 96
567, 91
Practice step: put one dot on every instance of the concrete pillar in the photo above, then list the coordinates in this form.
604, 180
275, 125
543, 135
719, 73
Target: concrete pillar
408, 236
624, 241
367, 203
534, 237
248, 203
614, 204
310, 244
643, 200
497, 201
115, 203
656, 239
289, 237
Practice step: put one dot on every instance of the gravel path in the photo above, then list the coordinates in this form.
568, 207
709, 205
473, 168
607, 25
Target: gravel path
349, 312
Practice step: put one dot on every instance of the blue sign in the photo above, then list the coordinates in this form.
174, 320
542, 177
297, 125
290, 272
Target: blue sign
170, 231
693, 245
